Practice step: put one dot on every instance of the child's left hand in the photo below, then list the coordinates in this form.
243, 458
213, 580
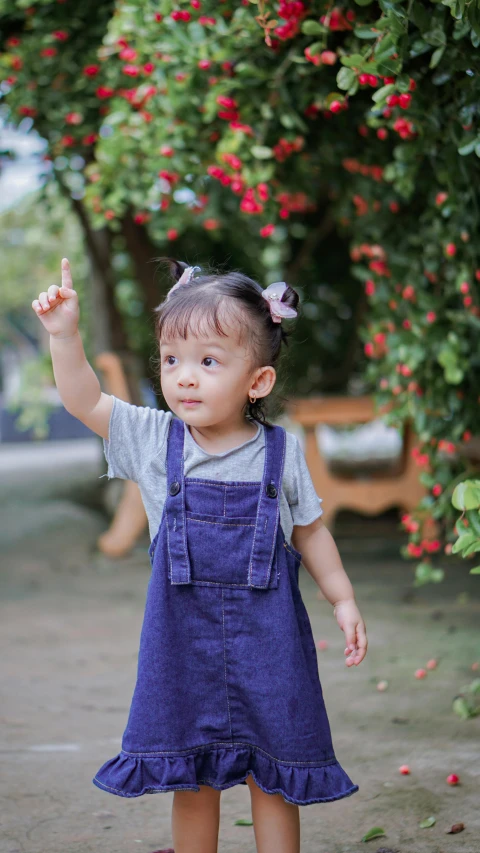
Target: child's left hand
350, 621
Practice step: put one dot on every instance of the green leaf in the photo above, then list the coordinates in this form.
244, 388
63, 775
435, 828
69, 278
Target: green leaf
243, 821
363, 2
313, 28
466, 495
471, 549
475, 571
473, 516
345, 78
462, 707
375, 832
463, 541
385, 48
429, 821
474, 18
287, 120
468, 147
316, 47
435, 37
261, 152
354, 60
364, 33
420, 16
425, 574
454, 375
436, 56
382, 93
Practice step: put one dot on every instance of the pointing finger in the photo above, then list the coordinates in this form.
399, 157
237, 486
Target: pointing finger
66, 273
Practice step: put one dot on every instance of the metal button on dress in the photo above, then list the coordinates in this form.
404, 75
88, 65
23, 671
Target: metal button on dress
175, 488
271, 491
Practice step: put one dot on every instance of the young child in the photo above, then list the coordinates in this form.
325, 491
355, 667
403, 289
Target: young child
227, 688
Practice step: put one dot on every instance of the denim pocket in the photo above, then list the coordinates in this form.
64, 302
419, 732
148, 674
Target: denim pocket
220, 548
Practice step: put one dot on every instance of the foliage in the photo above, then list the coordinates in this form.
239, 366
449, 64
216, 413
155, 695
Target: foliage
466, 497
29, 239
274, 127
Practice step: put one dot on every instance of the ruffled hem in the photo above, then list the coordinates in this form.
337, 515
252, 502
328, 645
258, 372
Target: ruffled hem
131, 775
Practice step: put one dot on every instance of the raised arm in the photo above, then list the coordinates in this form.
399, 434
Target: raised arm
77, 382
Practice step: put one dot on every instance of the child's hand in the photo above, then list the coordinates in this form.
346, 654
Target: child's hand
350, 621
57, 307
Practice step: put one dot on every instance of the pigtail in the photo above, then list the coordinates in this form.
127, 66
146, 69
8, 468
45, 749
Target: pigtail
291, 297
175, 268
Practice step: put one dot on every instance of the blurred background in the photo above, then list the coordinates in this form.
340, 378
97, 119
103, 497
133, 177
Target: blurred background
336, 148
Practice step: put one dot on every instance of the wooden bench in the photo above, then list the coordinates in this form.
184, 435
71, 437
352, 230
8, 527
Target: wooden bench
373, 493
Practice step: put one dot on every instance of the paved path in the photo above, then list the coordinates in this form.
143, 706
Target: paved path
69, 631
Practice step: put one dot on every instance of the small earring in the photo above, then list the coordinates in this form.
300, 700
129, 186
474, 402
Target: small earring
254, 397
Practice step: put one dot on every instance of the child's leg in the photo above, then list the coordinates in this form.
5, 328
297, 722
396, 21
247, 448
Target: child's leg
276, 824
195, 820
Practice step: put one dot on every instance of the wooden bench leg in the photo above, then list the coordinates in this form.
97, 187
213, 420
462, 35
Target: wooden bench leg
130, 518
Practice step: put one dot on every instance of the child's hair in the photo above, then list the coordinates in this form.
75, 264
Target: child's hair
250, 313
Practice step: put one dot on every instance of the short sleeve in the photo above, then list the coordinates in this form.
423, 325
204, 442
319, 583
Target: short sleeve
136, 434
305, 505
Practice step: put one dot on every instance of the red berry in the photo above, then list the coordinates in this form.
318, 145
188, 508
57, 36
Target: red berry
420, 673
404, 769
432, 664
335, 107
382, 133
392, 100
437, 490
451, 250
372, 80
363, 79
405, 100
453, 779
267, 230
328, 57
464, 287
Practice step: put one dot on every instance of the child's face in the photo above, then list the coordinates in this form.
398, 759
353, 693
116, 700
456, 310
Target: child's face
213, 370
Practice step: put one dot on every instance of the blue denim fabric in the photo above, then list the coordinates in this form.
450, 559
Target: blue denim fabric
227, 681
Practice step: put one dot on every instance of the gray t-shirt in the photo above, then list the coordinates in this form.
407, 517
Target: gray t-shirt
137, 450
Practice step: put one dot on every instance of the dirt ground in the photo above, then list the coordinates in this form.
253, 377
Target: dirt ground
69, 630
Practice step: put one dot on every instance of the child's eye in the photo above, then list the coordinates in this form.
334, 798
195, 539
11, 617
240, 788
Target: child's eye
167, 357
210, 358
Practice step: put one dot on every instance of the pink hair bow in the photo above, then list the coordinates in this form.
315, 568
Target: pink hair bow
185, 277
278, 309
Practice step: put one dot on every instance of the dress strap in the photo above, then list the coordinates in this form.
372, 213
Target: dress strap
268, 512
175, 505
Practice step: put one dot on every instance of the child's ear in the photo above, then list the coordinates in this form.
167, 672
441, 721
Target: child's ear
264, 381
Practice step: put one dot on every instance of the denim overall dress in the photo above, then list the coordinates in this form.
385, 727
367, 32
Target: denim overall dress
227, 679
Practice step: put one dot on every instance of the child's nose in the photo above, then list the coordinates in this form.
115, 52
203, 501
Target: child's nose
187, 378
